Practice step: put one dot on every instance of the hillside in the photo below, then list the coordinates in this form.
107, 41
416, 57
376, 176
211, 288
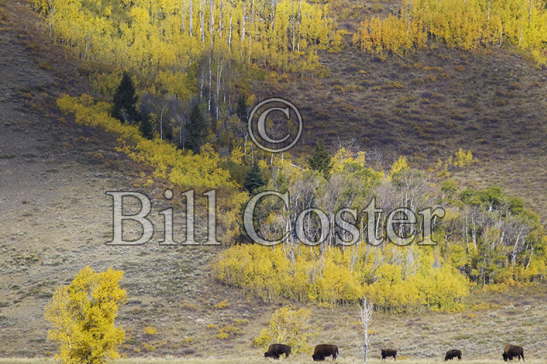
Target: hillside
56, 216
428, 104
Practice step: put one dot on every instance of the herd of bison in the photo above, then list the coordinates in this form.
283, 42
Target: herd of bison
323, 351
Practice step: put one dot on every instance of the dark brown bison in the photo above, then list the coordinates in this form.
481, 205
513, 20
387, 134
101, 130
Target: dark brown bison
386, 353
454, 353
276, 350
512, 351
323, 350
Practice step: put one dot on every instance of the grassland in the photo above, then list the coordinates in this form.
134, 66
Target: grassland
297, 360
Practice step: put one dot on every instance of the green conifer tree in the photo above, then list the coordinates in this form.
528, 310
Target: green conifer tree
145, 126
197, 129
125, 100
242, 109
254, 179
320, 160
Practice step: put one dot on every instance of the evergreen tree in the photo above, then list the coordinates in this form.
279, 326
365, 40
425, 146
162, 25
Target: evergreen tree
242, 109
145, 126
197, 129
320, 160
253, 179
125, 99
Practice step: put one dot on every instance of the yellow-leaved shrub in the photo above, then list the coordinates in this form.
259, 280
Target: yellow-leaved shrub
287, 326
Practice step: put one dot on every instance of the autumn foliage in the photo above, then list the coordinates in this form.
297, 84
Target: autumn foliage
460, 24
154, 35
397, 279
83, 316
289, 326
182, 168
485, 238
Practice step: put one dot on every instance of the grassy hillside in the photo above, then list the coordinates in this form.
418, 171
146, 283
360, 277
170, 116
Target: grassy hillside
424, 105
253, 361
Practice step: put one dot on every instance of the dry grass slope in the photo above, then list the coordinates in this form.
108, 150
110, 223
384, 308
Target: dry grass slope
260, 361
427, 105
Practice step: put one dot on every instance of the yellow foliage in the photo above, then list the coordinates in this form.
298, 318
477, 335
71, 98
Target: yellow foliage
461, 24
182, 168
223, 335
148, 347
150, 330
397, 166
171, 34
287, 326
83, 316
345, 275
390, 34
41, 6
463, 158
222, 304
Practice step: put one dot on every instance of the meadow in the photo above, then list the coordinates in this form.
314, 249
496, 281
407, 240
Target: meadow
255, 360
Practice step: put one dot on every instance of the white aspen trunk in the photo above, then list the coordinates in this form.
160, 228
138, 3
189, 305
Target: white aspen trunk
191, 17
211, 21
293, 29
465, 234
299, 21
367, 309
253, 30
210, 81
161, 125
182, 16
530, 258
202, 21
230, 34
242, 40
220, 21
514, 253
219, 80
211, 45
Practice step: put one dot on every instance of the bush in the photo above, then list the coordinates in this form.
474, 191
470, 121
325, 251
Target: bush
287, 326
150, 330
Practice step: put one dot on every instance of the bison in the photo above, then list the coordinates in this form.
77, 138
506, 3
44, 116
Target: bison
276, 350
389, 352
321, 351
512, 351
454, 353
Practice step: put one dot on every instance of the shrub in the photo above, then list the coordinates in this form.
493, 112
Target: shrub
150, 330
287, 326
222, 304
